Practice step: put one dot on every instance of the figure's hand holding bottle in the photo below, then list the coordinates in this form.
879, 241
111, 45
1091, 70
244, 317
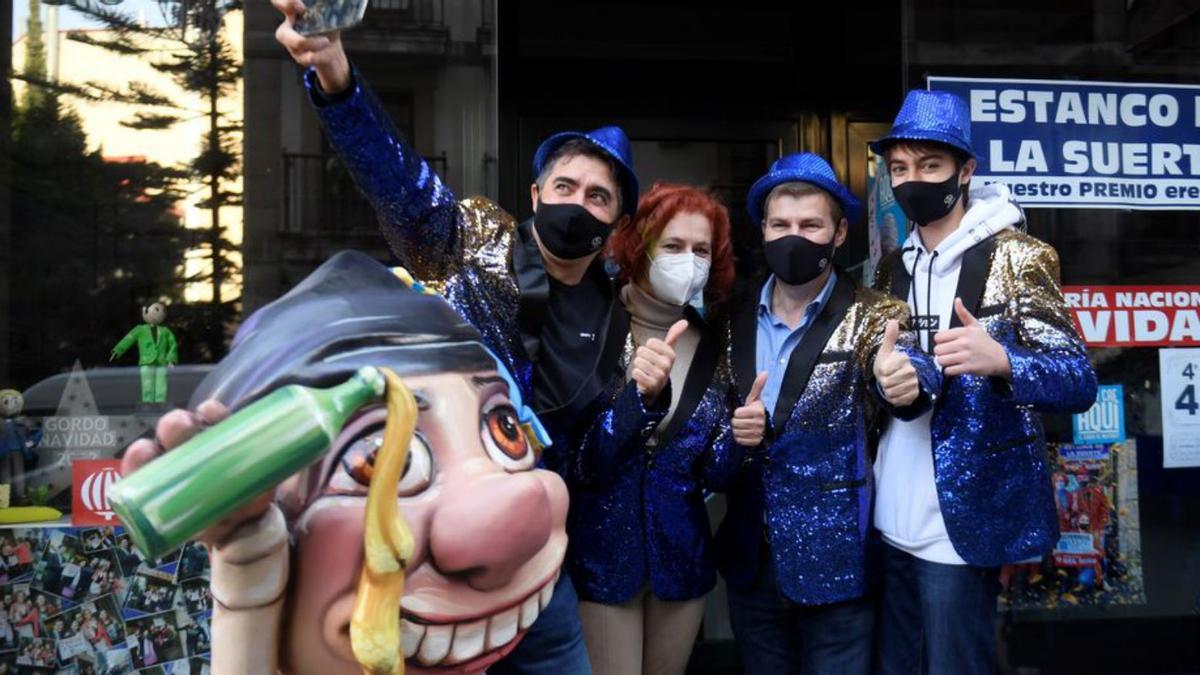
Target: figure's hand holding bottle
204, 484
323, 52
175, 428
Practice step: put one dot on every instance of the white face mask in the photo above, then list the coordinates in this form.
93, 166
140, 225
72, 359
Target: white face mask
676, 278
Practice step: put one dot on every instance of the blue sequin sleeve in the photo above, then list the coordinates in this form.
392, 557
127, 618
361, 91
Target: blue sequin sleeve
928, 374
725, 462
1050, 368
722, 462
619, 430
417, 211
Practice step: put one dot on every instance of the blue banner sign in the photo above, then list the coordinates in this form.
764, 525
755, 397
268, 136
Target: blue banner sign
1077, 144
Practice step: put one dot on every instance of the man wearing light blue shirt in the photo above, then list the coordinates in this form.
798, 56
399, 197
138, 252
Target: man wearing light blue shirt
777, 340
814, 362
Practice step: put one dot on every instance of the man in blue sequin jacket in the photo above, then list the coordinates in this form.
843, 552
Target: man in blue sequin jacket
537, 291
793, 547
964, 488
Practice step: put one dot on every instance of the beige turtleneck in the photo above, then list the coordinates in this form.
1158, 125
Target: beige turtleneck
650, 317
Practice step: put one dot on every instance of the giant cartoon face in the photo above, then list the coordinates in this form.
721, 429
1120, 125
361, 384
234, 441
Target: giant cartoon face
489, 527
489, 530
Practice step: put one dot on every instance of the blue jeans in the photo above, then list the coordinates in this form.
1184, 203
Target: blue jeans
936, 619
778, 637
554, 644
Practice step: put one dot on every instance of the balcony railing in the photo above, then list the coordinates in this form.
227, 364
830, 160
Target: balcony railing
319, 196
414, 13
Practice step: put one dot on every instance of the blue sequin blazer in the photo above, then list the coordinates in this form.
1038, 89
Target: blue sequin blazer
637, 509
989, 449
812, 483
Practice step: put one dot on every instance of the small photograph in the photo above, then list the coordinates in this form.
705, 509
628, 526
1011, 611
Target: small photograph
37, 652
72, 645
153, 640
128, 556
151, 591
193, 562
104, 574
197, 596
94, 626
61, 569
97, 539
17, 553
114, 662
197, 638
22, 612
47, 604
8, 620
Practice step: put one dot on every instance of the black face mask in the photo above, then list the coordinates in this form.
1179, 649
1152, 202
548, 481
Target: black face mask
925, 203
796, 260
569, 231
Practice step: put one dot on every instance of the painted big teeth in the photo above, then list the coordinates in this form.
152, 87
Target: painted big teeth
412, 634
544, 596
436, 644
468, 641
502, 628
529, 611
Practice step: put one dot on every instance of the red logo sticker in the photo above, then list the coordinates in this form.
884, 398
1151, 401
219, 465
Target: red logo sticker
91, 482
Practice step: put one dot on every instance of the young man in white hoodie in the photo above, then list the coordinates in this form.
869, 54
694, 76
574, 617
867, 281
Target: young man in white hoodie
964, 488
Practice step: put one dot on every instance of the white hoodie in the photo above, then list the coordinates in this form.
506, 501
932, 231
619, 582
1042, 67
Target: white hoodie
907, 512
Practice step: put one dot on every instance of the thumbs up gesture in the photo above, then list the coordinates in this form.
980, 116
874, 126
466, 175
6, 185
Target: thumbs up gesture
894, 371
750, 420
969, 349
653, 362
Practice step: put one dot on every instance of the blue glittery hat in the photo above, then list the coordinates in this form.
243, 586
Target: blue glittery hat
805, 167
931, 116
613, 142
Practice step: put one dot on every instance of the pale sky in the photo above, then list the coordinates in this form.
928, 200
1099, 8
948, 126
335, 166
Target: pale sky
68, 18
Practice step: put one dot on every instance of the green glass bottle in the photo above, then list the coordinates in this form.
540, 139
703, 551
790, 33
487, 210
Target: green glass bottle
191, 488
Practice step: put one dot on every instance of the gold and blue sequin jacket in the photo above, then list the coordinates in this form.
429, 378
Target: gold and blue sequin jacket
989, 448
812, 485
637, 508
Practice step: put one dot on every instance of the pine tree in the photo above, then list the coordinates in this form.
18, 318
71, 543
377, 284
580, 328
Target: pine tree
35, 56
96, 240
199, 58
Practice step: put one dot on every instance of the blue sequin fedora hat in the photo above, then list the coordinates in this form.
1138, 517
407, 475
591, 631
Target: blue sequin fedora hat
613, 142
931, 116
805, 167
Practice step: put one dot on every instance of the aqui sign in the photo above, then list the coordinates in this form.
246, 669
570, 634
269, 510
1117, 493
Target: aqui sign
1104, 422
1064, 144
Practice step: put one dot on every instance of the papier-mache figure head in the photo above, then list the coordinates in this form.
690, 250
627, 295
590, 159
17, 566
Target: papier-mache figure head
488, 525
154, 314
11, 403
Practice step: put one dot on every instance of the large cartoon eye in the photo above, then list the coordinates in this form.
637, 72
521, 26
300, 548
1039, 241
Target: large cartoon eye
505, 441
357, 465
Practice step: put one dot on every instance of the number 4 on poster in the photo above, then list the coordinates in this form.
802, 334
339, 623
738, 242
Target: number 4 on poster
1179, 373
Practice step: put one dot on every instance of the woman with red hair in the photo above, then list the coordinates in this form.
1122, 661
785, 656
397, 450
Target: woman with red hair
639, 551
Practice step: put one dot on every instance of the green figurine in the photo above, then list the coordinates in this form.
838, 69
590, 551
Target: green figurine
156, 350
